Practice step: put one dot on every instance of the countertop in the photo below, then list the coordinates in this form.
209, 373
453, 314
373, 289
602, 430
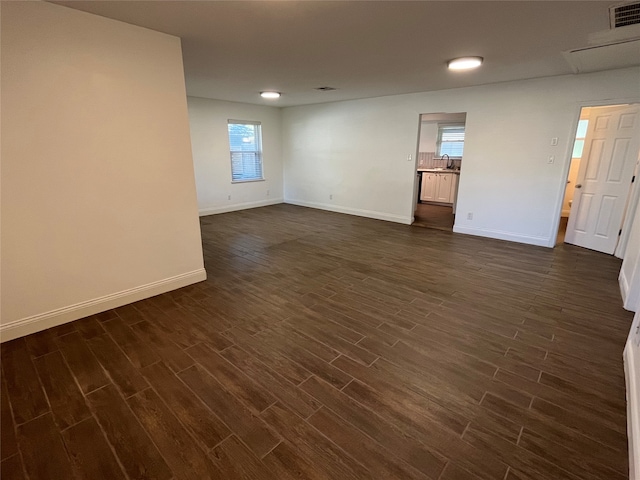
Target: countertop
439, 170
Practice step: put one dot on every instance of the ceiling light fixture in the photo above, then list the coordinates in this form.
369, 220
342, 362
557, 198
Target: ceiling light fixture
270, 94
464, 63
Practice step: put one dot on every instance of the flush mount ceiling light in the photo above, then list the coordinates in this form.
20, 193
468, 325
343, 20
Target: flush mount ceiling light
270, 94
464, 63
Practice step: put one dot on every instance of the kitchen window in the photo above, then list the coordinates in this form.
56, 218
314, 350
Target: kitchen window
450, 140
245, 144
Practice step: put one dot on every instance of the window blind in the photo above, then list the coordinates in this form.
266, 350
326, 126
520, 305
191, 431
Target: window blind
245, 144
451, 140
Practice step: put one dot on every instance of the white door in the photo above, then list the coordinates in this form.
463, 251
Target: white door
604, 177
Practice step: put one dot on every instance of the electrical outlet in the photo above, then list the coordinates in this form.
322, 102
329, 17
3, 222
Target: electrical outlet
470, 216
554, 141
267, 193
229, 198
331, 197
409, 157
551, 159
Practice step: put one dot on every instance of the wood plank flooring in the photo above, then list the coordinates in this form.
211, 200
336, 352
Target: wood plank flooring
326, 346
440, 217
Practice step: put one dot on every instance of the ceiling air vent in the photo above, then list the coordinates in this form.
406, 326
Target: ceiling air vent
624, 14
616, 47
325, 89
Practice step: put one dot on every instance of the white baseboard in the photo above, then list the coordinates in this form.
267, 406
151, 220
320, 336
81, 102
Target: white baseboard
352, 211
501, 235
633, 412
238, 206
53, 318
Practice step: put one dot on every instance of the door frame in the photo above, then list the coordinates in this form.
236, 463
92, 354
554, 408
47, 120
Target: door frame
629, 213
600, 183
577, 107
416, 177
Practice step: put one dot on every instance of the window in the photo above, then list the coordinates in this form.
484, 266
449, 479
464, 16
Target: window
450, 139
245, 143
581, 133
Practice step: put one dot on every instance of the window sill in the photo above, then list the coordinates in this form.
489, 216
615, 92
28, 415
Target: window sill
249, 180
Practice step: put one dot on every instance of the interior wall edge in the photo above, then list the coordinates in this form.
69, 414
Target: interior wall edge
99, 204
59, 316
624, 288
352, 211
502, 235
633, 405
239, 206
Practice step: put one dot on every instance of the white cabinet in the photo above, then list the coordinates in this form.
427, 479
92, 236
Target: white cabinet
439, 187
443, 192
429, 187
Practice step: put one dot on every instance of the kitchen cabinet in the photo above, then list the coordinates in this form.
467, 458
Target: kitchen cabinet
428, 190
439, 187
443, 192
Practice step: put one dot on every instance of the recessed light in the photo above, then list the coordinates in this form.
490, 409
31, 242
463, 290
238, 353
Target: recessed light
270, 95
464, 63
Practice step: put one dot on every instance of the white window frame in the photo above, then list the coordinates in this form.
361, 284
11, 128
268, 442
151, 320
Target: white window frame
441, 128
236, 175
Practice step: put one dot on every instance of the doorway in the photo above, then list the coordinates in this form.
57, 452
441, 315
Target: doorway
438, 169
600, 177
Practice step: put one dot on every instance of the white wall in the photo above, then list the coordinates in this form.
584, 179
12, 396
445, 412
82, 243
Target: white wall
631, 357
351, 157
572, 177
357, 151
210, 144
98, 195
428, 137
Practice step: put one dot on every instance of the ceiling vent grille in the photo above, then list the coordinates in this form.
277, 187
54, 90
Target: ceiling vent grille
624, 14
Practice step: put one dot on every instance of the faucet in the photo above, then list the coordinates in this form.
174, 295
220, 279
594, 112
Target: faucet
449, 161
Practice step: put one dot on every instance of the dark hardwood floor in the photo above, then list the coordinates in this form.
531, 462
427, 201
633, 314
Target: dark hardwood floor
562, 230
440, 217
326, 346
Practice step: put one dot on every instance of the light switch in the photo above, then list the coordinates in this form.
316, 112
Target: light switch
409, 157
554, 141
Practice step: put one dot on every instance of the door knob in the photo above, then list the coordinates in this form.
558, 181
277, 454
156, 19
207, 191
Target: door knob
579, 185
